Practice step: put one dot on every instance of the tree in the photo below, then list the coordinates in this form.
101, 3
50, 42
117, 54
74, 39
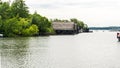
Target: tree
9, 26
85, 28
79, 23
19, 27
1, 29
19, 8
4, 10
44, 25
25, 28
32, 30
15, 20
58, 20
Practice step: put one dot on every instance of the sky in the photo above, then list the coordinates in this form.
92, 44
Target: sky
92, 12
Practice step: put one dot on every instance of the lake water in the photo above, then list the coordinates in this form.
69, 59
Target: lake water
85, 50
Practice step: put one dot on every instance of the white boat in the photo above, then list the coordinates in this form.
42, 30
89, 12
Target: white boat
1, 35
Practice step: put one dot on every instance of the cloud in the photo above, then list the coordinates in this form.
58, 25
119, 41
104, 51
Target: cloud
93, 4
92, 12
54, 4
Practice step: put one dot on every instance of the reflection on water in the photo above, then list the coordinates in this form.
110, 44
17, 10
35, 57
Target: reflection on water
14, 52
85, 50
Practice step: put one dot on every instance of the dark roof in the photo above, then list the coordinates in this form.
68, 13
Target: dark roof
63, 25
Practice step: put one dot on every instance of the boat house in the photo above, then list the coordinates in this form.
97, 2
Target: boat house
65, 27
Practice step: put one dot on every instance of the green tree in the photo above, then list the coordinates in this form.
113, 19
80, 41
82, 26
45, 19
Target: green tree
79, 23
85, 28
44, 25
19, 27
32, 30
1, 24
19, 8
15, 20
25, 28
22, 24
4, 10
58, 20
9, 26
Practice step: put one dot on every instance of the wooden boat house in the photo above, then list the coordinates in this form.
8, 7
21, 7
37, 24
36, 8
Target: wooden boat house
65, 27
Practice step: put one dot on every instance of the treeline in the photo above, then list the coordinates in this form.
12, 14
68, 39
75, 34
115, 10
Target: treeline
15, 20
105, 28
80, 24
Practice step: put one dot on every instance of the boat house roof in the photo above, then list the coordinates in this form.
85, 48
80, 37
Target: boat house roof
63, 25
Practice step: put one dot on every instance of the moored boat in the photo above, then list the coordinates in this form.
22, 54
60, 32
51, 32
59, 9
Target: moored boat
118, 36
1, 35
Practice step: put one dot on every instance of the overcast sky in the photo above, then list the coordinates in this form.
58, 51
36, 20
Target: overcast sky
91, 12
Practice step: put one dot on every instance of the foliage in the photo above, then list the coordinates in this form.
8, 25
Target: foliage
20, 9
1, 25
9, 26
32, 30
79, 23
15, 20
19, 27
58, 20
4, 10
85, 28
44, 25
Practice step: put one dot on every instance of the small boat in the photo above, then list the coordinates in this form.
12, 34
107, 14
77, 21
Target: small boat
118, 36
1, 35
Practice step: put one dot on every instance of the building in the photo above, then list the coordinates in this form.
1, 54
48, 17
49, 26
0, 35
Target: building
65, 27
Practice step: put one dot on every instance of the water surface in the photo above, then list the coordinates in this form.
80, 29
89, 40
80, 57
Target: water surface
84, 50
